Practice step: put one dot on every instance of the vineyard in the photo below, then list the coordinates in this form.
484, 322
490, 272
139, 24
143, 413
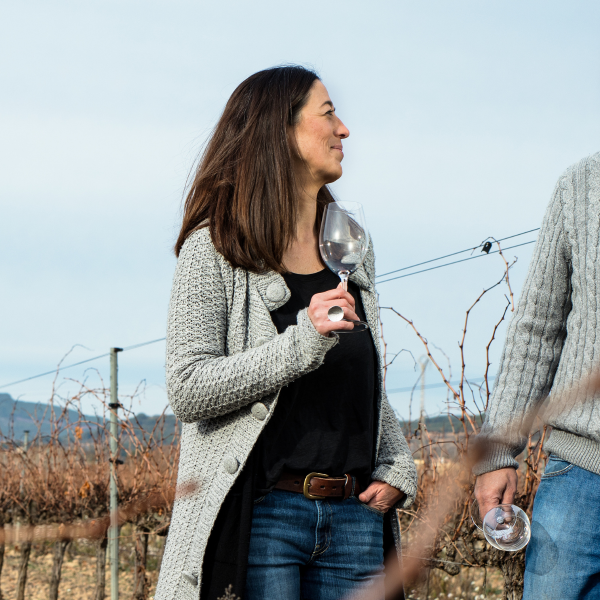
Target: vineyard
54, 501
54, 497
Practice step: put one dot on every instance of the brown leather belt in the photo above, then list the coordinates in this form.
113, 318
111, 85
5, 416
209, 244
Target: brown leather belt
318, 486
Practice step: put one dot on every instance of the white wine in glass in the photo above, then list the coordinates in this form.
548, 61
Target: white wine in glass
343, 243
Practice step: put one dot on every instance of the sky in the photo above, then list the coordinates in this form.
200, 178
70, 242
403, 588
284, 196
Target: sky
462, 116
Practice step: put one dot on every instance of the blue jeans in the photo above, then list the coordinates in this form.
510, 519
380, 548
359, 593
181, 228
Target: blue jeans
303, 549
563, 556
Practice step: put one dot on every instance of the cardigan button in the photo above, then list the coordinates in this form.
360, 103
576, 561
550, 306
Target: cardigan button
259, 411
231, 465
275, 292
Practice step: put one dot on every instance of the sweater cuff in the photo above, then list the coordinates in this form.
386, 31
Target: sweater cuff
399, 480
313, 345
497, 456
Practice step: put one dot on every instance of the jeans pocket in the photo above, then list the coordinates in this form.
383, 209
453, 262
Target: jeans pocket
556, 466
260, 499
370, 508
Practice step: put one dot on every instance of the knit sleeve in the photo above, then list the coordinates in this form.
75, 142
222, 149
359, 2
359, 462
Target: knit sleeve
395, 465
202, 381
533, 345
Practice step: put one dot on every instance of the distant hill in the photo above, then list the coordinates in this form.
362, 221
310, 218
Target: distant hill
17, 416
438, 423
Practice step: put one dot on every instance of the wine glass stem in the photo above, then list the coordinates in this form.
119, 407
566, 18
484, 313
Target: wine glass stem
344, 277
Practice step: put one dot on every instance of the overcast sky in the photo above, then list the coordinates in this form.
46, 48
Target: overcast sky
462, 116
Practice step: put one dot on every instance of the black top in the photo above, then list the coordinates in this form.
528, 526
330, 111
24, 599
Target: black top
325, 420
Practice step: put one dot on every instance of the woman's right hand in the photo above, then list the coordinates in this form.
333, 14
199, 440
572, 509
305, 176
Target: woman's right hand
321, 303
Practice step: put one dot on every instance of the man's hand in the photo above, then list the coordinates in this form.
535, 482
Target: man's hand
495, 487
381, 496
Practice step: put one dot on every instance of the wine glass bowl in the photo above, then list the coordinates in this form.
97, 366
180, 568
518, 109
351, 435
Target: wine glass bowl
505, 527
344, 239
343, 243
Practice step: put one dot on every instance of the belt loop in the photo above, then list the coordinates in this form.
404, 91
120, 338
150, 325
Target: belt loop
348, 489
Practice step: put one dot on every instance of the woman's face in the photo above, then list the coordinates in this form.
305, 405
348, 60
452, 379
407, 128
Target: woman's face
318, 136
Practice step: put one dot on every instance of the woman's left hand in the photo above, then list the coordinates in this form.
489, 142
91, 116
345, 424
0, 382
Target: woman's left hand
381, 496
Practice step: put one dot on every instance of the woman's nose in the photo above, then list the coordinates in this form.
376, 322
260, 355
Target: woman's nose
342, 131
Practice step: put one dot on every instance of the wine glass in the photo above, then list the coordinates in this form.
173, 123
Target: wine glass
506, 526
343, 242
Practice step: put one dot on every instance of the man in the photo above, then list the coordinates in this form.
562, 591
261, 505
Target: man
552, 345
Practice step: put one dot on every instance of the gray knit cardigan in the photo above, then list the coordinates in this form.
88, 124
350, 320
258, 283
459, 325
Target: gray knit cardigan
226, 365
553, 340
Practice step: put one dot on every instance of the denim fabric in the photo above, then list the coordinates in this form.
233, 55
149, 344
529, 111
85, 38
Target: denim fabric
563, 556
303, 549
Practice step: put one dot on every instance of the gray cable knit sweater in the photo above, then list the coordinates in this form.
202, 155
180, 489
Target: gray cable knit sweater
226, 364
553, 340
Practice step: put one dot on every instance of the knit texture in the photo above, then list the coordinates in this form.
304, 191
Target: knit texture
553, 340
225, 366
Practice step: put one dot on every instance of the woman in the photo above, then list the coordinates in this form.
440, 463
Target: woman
268, 395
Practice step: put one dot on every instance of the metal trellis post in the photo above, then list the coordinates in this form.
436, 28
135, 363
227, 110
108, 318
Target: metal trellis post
113, 532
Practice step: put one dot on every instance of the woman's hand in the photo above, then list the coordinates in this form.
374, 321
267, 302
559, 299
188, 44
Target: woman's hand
381, 496
321, 303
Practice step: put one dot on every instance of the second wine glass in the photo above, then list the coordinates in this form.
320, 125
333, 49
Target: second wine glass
343, 243
505, 526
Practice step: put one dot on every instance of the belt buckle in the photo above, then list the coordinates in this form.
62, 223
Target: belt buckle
307, 479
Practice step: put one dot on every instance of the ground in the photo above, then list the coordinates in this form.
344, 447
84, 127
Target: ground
78, 576
469, 584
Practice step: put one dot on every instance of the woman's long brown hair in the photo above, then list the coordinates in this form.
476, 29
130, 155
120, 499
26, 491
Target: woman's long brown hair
244, 187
